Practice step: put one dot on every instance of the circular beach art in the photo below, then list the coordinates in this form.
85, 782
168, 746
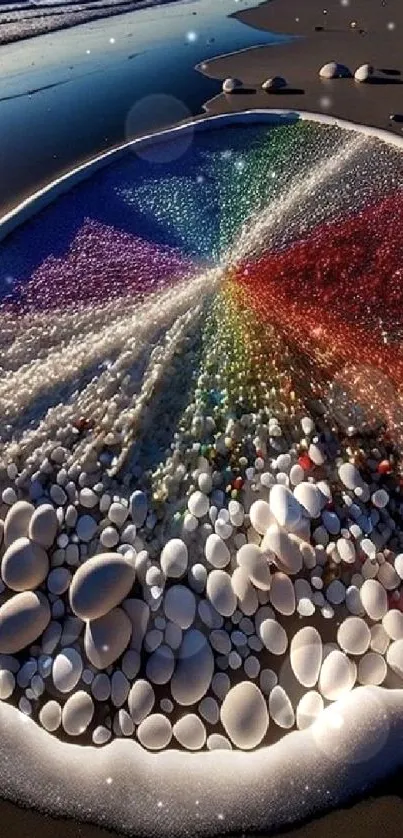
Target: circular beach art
201, 435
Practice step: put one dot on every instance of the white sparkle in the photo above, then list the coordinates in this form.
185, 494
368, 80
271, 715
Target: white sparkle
88, 51
109, 781
191, 37
112, 40
391, 25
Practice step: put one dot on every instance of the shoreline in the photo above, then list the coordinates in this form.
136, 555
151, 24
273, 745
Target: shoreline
51, 22
374, 39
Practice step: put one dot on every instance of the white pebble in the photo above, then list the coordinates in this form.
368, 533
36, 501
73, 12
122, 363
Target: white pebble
280, 708
306, 655
77, 713
244, 715
274, 637
372, 669
374, 599
309, 708
190, 732
174, 558
337, 676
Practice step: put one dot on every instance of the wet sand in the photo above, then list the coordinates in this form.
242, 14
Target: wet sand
375, 39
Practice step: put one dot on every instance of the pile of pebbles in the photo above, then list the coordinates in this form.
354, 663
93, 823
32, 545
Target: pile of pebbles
206, 605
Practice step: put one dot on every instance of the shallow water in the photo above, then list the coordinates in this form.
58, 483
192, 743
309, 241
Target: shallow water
69, 94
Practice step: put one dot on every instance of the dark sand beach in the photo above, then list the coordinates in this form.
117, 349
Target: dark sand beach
364, 31
372, 39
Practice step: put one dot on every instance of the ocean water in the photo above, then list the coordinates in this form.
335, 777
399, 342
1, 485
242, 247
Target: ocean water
70, 94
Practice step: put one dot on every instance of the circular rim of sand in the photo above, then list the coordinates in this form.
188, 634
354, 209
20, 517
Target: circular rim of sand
53, 190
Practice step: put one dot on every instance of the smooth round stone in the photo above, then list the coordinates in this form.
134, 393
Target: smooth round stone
174, 558
58, 495
244, 715
43, 525
220, 593
236, 513
354, 636
216, 742
306, 654
86, 527
346, 550
220, 641
138, 507
190, 732
275, 83
125, 723
388, 577
285, 507
180, 606
9, 496
77, 713
101, 735
160, 665
209, 710
100, 584
379, 639
216, 552
297, 475
372, 670
66, 670
334, 70
231, 84
310, 497
198, 504
141, 700
118, 513
350, 476
336, 592
58, 580
194, 669
23, 618
337, 676
107, 637
101, 687
119, 688
353, 601
88, 498
285, 549
309, 708
197, 577
380, 498
273, 636
374, 599
363, 73
331, 521
394, 657
24, 565
244, 591
155, 732
393, 624
109, 537
50, 716
254, 562
280, 708
399, 565
260, 516
7, 684
16, 524
282, 594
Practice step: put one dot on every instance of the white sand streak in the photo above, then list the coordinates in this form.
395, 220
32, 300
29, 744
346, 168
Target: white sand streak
255, 234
